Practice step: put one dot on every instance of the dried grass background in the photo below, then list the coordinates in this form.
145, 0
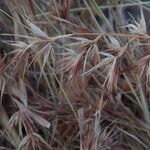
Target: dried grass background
75, 74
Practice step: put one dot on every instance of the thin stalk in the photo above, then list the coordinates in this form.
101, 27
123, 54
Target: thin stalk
101, 14
93, 17
111, 6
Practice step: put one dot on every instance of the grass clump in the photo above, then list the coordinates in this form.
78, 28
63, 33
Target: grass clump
75, 75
